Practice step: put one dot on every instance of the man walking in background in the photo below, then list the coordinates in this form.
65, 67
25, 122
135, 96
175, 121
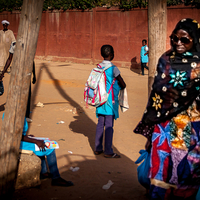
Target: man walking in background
6, 38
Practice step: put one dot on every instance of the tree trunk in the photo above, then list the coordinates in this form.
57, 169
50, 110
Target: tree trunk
12, 126
157, 25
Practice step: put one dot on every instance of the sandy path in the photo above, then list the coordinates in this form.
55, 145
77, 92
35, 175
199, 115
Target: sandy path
60, 88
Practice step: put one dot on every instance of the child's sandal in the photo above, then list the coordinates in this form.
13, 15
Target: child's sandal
98, 152
114, 155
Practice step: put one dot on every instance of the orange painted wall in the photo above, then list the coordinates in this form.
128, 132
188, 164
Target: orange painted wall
77, 36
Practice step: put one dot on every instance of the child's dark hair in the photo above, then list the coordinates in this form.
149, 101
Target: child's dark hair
107, 50
144, 41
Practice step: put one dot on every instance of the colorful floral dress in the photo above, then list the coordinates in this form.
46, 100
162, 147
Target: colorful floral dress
172, 123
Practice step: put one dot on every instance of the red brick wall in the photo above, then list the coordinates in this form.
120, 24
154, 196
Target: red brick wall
77, 36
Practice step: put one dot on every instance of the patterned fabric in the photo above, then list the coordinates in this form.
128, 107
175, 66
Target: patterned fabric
175, 155
171, 121
160, 151
176, 86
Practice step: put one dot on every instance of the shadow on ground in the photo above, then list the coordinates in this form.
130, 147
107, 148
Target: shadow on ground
2, 107
88, 181
135, 66
94, 172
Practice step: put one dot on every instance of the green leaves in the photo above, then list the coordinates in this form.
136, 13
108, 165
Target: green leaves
69, 4
10, 5
127, 5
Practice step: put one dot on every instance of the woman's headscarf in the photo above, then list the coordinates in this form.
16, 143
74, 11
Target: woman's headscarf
192, 27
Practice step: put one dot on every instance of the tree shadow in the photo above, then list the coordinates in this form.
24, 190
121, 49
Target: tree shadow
78, 125
95, 171
89, 179
135, 66
2, 107
66, 65
7, 176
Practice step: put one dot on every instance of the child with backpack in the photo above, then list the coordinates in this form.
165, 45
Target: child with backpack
107, 112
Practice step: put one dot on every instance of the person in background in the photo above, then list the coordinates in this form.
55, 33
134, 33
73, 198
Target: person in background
6, 38
144, 59
9, 60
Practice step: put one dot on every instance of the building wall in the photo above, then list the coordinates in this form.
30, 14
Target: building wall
78, 36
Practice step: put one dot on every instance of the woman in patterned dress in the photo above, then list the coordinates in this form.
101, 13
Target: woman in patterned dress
171, 121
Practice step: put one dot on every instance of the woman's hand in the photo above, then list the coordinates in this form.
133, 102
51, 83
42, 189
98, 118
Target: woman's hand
41, 145
148, 146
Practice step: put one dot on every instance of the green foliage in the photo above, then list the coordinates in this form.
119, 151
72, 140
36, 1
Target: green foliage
195, 3
10, 5
68, 4
127, 5
174, 2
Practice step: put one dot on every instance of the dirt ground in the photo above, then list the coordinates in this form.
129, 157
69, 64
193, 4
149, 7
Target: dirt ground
60, 87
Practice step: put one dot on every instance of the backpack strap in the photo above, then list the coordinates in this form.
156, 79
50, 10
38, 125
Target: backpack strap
105, 68
111, 87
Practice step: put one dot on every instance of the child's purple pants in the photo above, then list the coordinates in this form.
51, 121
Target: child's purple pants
107, 121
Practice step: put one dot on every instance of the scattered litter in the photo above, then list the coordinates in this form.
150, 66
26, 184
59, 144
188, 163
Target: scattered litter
61, 140
39, 125
108, 185
61, 122
74, 169
70, 152
39, 104
68, 110
109, 172
74, 111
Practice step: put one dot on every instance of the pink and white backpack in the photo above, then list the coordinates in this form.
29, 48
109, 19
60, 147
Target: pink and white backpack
95, 93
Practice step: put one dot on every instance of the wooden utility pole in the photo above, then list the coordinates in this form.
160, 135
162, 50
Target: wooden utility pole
12, 126
157, 25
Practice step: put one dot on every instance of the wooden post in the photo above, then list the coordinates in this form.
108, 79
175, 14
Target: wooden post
12, 126
157, 25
